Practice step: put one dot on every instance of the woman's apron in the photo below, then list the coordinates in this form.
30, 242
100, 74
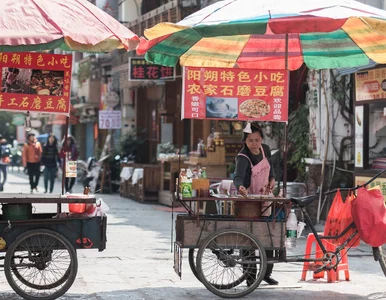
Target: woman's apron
258, 185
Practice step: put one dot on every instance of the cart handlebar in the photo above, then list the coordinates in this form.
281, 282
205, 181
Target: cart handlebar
358, 186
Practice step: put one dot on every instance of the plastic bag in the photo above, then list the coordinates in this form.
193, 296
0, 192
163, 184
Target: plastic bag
369, 213
98, 209
345, 220
332, 226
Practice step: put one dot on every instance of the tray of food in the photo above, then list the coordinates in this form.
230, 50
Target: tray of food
258, 196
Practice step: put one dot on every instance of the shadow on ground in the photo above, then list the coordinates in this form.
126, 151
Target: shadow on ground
202, 294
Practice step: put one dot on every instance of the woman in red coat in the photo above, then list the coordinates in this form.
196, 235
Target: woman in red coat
70, 151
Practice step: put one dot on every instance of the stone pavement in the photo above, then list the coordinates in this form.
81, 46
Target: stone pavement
138, 263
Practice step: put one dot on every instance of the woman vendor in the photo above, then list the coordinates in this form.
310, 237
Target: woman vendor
254, 174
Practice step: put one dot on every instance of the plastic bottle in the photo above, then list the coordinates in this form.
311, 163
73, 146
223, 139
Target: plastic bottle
203, 173
292, 230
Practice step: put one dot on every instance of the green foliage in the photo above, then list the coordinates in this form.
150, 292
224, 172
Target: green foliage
298, 137
7, 129
131, 146
84, 71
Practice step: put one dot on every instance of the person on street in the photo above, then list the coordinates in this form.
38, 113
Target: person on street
50, 159
70, 151
32, 153
5, 153
254, 174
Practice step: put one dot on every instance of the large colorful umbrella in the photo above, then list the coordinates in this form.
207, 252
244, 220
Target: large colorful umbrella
260, 34
78, 25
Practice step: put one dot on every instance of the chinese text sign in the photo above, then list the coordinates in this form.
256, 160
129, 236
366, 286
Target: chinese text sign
110, 119
35, 82
370, 84
242, 94
140, 69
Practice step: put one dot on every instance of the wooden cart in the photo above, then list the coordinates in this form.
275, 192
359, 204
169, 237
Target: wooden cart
40, 260
228, 254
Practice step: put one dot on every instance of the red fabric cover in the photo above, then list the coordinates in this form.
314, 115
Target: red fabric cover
369, 213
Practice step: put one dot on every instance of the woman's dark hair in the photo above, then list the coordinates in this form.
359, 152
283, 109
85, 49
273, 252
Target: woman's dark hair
255, 128
29, 135
71, 139
55, 140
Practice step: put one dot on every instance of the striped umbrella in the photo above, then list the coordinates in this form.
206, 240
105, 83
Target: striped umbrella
78, 25
262, 33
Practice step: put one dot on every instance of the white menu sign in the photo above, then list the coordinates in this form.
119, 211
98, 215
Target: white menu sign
359, 136
110, 119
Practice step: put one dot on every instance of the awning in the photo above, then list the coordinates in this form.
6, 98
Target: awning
348, 71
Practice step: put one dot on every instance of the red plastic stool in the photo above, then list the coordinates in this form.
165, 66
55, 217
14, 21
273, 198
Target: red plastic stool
332, 275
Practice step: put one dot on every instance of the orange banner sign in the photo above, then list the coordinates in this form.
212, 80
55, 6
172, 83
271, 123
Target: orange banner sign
35, 82
370, 84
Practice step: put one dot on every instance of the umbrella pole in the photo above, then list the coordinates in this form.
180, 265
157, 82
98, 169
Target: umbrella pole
285, 150
59, 208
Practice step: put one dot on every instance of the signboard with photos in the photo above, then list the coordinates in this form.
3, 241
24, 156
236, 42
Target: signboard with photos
370, 84
237, 94
140, 69
35, 82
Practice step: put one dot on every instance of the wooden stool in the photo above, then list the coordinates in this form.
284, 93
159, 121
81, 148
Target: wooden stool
332, 275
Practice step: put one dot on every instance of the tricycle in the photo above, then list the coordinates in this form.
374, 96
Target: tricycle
228, 254
40, 249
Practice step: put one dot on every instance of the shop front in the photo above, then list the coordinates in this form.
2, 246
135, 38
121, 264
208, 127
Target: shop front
370, 126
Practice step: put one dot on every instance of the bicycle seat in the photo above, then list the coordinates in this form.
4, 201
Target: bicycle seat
304, 201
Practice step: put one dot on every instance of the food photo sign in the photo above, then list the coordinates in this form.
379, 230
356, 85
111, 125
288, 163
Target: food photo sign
241, 94
36, 82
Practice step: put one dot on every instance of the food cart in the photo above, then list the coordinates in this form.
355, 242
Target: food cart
40, 260
40, 249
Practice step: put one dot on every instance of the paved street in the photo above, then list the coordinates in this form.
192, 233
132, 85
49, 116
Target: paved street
138, 264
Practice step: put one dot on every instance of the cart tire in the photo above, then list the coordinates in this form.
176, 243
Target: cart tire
40, 264
225, 265
382, 258
192, 262
193, 267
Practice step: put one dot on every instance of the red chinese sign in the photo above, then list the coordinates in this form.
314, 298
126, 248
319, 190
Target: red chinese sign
242, 94
35, 82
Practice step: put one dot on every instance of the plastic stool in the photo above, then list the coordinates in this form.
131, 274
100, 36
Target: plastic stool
332, 275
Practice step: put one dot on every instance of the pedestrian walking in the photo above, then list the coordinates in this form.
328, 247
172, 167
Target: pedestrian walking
32, 152
70, 151
5, 153
50, 160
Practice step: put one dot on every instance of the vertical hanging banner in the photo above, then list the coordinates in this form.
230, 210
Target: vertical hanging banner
35, 82
359, 136
241, 94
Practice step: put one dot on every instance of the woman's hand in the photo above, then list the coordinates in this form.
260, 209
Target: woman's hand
243, 191
271, 185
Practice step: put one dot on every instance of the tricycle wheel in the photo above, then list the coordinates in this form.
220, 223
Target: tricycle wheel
382, 258
192, 262
40, 264
231, 263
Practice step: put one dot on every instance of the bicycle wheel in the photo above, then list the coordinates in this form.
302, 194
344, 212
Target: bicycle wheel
382, 258
231, 263
40, 264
